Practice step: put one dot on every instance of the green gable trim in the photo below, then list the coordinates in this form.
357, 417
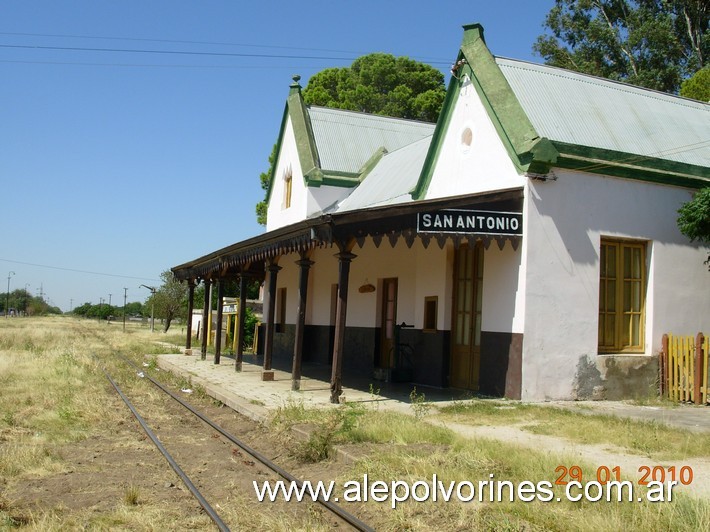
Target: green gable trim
638, 167
297, 111
526, 149
437, 139
371, 163
345, 181
305, 140
511, 122
279, 141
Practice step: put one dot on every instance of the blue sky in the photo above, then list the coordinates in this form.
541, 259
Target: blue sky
116, 165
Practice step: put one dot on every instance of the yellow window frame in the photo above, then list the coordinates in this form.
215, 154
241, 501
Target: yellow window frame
622, 296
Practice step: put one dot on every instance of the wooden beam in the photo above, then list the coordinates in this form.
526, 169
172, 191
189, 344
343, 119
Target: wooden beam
240, 327
273, 269
190, 306
345, 257
220, 314
304, 266
206, 316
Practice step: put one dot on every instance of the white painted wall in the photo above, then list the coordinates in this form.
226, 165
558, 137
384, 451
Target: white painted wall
564, 221
323, 197
287, 158
421, 272
484, 165
503, 296
305, 201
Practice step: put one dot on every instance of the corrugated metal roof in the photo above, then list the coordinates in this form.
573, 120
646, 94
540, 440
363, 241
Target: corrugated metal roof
391, 180
347, 139
584, 110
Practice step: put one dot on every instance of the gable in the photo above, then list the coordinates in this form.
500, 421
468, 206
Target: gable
546, 117
471, 157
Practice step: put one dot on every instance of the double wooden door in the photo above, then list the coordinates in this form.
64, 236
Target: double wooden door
466, 317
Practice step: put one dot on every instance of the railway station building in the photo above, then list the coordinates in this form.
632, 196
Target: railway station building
524, 246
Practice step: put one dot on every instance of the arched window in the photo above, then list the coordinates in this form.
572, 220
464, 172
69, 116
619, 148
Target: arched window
287, 189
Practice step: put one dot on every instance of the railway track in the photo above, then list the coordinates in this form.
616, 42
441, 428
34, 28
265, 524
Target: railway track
339, 515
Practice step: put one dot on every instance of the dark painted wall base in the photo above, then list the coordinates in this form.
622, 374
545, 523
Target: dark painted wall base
501, 364
429, 354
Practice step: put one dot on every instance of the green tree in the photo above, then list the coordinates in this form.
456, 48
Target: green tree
265, 178
651, 43
694, 218
170, 299
377, 83
380, 84
697, 86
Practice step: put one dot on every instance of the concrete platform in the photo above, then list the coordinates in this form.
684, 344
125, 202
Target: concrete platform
248, 394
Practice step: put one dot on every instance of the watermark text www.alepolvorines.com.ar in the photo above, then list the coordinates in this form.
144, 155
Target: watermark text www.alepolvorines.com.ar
490, 490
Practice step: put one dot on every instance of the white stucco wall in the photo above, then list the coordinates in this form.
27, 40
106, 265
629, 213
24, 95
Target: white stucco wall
287, 159
305, 201
503, 290
421, 272
484, 165
564, 221
321, 198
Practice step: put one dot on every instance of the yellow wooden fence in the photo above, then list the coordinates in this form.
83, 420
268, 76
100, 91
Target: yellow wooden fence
684, 368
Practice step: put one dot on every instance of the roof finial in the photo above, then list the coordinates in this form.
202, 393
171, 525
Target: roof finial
295, 87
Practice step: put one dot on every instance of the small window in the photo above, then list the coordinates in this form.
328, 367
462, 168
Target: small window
288, 181
622, 296
467, 137
431, 305
281, 310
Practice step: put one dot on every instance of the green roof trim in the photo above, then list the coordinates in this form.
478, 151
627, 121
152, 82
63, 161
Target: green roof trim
296, 110
370, 164
279, 140
527, 150
340, 179
437, 139
637, 167
305, 140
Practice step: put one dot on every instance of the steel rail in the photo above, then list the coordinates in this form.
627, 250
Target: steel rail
334, 508
186, 480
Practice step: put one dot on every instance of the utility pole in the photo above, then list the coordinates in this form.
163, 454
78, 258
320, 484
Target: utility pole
152, 306
125, 291
7, 301
108, 319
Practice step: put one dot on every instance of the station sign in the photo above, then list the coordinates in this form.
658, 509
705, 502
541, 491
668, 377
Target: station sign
470, 222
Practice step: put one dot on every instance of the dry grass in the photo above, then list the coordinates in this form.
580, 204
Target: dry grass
649, 438
54, 394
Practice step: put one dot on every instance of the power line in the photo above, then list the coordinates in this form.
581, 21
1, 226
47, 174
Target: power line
173, 52
78, 271
209, 43
149, 65
177, 41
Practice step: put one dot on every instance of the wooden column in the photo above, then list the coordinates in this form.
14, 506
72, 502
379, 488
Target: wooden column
336, 382
240, 327
206, 315
218, 332
304, 266
190, 306
273, 268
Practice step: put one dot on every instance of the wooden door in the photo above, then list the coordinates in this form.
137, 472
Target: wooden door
388, 322
466, 317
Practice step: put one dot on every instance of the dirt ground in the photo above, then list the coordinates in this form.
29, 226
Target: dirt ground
98, 472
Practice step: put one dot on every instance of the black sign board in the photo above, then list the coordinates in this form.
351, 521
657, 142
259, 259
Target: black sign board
470, 222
